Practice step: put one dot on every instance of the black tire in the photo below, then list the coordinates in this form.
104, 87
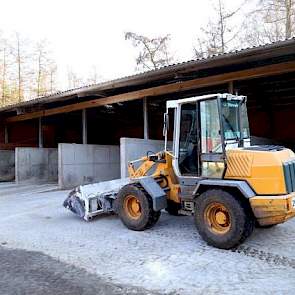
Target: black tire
240, 220
172, 208
148, 217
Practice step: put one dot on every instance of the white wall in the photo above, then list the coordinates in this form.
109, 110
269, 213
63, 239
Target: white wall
84, 163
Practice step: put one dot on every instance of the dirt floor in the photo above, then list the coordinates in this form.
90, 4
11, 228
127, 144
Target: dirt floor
169, 258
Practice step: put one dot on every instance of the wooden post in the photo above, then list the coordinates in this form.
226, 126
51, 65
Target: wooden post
231, 87
145, 119
40, 133
84, 126
5, 134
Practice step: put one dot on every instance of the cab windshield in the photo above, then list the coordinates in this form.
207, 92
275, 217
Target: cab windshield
235, 120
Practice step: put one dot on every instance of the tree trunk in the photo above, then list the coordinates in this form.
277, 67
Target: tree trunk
288, 22
39, 75
4, 77
19, 70
221, 27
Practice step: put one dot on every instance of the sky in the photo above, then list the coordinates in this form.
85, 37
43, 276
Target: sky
90, 33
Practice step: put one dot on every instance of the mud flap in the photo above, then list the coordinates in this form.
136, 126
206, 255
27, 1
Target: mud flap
157, 194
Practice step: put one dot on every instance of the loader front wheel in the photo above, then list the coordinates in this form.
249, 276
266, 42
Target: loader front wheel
135, 208
223, 220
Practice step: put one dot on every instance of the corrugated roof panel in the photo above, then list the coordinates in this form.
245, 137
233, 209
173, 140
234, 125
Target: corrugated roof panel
113, 83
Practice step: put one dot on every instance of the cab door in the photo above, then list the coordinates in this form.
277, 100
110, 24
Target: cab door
188, 143
212, 156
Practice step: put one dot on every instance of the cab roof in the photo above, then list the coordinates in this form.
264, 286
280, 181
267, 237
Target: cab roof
176, 103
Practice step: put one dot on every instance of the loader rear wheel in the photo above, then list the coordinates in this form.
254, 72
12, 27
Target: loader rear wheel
222, 220
135, 208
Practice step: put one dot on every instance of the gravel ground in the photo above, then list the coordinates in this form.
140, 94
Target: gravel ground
171, 257
26, 272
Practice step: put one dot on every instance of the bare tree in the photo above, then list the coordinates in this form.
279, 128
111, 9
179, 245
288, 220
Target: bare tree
280, 13
220, 32
270, 21
93, 76
289, 11
74, 80
52, 71
4, 50
45, 69
153, 52
27, 69
19, 62
41, 55
22, 72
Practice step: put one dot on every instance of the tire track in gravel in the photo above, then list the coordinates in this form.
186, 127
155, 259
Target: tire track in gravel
270, 258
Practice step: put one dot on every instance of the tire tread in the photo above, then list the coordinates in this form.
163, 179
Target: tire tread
244, 222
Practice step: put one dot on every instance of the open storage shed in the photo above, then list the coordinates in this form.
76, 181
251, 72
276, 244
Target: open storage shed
88, 134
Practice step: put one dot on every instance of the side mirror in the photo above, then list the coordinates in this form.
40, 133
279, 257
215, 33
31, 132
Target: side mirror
166, 124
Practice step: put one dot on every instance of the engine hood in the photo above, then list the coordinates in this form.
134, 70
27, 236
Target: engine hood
260, 166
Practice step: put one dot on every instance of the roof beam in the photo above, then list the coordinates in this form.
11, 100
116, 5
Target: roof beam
258, 72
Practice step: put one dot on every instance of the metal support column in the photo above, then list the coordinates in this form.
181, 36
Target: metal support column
84, 126
40, 133
145, 119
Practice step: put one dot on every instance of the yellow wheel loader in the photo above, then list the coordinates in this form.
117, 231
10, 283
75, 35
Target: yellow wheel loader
211, 172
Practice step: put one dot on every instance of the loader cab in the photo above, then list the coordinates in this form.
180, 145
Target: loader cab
204, 128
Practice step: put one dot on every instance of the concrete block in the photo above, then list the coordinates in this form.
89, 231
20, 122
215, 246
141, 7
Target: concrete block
36, 165
115, 155
83, 154
37, 157
101, 155
52, 164
68, 152
7, 165
107, 171
77, 174
82, 164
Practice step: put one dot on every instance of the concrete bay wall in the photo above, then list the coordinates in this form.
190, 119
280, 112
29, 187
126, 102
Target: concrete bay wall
135, 148
36, 165
7, 165
85, 163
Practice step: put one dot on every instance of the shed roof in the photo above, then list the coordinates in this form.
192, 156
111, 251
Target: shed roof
169, 73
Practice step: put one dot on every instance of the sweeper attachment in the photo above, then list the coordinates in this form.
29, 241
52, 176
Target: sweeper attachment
91, 200
212, 173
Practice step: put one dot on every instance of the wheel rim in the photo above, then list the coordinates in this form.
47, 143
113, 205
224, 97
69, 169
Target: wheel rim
132, 207
217, 218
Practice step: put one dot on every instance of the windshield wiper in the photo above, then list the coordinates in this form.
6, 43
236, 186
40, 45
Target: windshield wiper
237, 138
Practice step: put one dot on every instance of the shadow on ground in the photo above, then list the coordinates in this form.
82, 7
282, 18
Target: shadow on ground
27, 272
